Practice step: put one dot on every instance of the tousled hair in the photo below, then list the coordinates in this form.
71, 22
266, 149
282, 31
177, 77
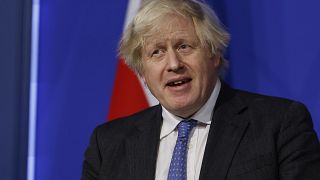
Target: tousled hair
209, 30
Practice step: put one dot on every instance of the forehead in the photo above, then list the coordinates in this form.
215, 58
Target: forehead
171, 27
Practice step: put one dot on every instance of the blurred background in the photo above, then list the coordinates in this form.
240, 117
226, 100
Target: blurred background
60, 75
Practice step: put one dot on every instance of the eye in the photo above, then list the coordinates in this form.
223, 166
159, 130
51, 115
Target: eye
157, 52
184, 48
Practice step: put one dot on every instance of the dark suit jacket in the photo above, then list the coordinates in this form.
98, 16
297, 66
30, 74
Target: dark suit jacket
252, 137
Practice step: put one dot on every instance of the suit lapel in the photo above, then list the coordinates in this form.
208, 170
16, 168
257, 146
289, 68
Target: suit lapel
142, 146
228, 127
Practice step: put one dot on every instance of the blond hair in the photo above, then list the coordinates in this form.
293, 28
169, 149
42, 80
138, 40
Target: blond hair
208, 28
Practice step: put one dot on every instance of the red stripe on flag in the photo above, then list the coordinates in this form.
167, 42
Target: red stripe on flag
128, 96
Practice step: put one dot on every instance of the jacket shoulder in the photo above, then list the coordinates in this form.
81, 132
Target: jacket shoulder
275, 110
266, 101
121, 127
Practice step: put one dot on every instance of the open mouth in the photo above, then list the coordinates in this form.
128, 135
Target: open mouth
179, 82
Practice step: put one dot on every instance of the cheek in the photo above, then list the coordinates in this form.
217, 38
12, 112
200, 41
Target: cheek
146, 78
207, 72
151, 77
153, 70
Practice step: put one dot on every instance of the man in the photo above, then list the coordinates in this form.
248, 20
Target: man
202, 128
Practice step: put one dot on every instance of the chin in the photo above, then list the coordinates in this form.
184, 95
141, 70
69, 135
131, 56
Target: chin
182, 111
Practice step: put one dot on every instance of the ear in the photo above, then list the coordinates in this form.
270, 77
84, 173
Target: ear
217, 59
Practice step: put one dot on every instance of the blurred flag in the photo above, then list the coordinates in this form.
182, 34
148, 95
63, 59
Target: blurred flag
129, 94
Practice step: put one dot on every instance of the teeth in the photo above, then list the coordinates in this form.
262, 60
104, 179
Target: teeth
177, 82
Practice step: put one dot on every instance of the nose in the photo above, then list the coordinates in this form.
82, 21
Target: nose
174, 62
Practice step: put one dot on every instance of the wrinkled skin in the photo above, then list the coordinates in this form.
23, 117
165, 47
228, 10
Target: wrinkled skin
179, 72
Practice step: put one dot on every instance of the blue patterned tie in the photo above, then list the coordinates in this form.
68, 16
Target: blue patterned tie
178, 165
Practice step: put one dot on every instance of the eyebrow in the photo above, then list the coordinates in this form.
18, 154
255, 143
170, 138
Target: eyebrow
160, 42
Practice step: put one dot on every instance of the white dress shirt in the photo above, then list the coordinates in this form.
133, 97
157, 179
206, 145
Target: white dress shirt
197, 140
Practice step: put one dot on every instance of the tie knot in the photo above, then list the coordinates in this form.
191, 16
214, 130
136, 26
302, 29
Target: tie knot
185, 127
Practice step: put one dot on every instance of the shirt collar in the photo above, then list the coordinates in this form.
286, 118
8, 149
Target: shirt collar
204, 115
